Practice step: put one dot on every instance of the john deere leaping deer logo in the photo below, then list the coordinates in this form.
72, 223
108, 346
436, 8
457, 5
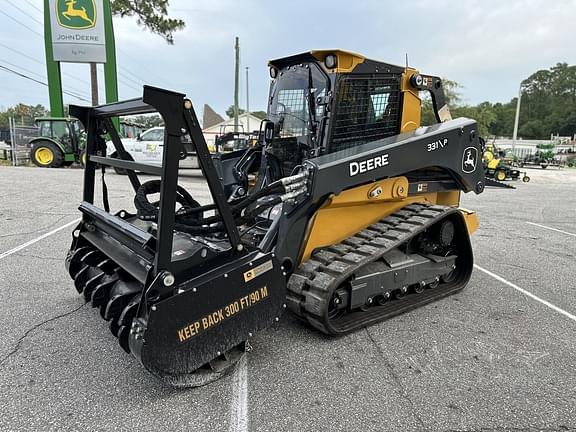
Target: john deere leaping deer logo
76, 14
469, 159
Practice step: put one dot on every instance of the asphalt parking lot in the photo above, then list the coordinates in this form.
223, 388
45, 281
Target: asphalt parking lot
491, 358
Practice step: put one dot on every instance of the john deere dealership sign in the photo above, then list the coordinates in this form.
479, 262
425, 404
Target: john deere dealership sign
78, 31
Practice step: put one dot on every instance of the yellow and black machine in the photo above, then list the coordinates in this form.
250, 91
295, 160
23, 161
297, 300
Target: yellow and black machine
346, 213
498, 167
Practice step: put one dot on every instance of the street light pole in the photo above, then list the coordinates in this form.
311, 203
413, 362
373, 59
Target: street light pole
515, 134
247, 103
236, 70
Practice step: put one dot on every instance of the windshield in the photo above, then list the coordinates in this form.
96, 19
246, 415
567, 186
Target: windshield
289, 108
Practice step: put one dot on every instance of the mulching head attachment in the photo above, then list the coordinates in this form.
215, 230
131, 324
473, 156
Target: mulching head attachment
194, 331
179, 289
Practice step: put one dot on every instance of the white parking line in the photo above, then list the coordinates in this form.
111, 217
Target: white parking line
527, 293
552, 229
239, 409
37, 239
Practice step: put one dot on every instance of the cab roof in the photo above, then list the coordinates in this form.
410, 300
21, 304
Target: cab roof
347, 61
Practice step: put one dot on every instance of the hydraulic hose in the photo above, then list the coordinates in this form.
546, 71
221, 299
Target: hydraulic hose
149, 211
189, 217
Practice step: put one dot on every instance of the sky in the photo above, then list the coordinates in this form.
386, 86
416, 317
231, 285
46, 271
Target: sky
487, 46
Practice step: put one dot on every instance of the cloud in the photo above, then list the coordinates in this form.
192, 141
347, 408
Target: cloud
487, 46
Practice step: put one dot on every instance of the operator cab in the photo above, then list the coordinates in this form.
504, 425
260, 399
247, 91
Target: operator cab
327, 101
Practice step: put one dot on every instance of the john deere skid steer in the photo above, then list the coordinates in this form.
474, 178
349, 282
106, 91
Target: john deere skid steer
346, 213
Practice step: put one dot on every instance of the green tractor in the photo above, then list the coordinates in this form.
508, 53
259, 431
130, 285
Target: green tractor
61, 142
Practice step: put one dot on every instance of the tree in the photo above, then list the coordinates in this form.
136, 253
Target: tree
260, 114
148, 121
230, 111
482, 113
503, 124
548, 106
451, 94
152, 14
548, 103
22, 114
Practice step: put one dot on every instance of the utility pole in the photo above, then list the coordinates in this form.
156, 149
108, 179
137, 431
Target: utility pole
12, 126
236, 79
247, 103
94, 83
515, 134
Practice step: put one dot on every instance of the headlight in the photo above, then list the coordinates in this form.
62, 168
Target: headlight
416, 80
331, 61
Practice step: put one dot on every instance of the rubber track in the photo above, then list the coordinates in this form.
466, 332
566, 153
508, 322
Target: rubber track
311, 286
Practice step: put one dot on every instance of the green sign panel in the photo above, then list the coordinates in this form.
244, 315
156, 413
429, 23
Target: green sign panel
76, 14
78, 31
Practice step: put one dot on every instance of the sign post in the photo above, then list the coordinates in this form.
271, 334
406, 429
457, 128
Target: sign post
110, 74
52, 68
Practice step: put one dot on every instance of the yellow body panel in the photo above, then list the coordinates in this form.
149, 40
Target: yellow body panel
493, 164
411, 111
471, 219
488, 156
354, 209
347, 61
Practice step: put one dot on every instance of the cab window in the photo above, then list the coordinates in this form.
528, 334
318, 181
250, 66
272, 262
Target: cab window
60, 130
78, 128
46, 129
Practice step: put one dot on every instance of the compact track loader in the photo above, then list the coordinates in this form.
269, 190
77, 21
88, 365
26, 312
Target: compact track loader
346, 213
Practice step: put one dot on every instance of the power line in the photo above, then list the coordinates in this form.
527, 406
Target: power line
128, 77
21, 23
126, 83
120, 81
132, 74
78, 91
35, 60
24, 69
124, 53
24, 12
34, 6
7, 69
